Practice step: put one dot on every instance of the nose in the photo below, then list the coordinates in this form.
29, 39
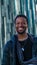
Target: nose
20, 24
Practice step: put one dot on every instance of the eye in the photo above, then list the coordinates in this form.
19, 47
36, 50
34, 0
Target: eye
17, 23
23, 23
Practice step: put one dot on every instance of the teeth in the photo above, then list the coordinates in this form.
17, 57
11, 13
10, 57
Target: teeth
20, 28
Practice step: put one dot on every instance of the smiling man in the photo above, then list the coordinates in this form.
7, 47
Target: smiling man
24, 42
19, 48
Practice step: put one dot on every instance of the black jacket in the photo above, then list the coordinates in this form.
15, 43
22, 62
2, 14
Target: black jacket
9, 56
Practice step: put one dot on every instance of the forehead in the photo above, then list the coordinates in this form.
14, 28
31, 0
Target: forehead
21, 19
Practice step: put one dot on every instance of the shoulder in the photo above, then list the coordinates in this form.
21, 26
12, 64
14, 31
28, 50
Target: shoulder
10, 43
32, 38
7, 46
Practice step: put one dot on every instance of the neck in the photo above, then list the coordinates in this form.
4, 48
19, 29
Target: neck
22, 36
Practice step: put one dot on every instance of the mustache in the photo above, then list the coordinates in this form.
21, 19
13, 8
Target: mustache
21, 27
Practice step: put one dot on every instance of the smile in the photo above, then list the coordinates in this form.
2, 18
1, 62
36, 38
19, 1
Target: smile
20, 28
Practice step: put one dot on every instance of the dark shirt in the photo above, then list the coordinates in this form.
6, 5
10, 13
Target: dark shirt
26, 47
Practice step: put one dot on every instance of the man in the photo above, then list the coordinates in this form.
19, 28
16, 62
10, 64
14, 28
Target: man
19, 48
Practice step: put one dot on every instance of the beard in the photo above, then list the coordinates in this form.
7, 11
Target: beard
22, 32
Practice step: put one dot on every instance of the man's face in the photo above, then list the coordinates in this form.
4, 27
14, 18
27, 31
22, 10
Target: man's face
21, 25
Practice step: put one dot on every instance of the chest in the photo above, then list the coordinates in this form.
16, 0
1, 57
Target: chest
26, 50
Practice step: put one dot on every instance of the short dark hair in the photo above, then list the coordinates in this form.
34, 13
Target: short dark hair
21, 16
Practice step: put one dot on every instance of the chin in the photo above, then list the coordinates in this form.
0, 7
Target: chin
21, 32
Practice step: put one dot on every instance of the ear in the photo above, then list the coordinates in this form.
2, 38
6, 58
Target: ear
27, 30
27, 26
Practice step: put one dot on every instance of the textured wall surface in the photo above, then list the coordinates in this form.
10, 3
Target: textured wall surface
8, 11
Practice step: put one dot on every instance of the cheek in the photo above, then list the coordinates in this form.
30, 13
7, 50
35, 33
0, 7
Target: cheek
16, 27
